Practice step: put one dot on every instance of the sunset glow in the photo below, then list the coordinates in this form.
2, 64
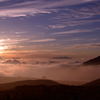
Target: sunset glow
44, 37
49, 49
3, 48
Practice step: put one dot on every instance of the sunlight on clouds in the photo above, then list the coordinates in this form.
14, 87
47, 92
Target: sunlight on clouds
31, 8
3, 46
22, 12
3, 0
49, 38
51, 71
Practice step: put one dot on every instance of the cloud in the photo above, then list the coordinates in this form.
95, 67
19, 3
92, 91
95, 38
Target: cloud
7, 44
61, 57
61, 3
25, 45
21, 12
3, 0
56, 26
76, 16
19, 32
10, 41
49, 3
73, 31
84, 45
31, 8
62, 23
79, 12
45, 62
44, 40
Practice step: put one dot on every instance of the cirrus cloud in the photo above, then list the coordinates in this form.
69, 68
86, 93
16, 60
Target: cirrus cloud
31, 8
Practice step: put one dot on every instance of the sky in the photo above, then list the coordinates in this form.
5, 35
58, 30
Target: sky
48, 28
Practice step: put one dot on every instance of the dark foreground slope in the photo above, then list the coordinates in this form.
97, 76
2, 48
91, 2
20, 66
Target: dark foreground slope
49, 90
94, 61
95, 83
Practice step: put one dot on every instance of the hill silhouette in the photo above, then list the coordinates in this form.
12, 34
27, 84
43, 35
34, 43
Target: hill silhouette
48, 90
11, 85
93, 83
12, 61
4, 79
94, 61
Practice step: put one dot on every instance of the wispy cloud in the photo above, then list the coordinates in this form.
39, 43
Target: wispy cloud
76, 16
84, 46
80, 13
71, 23
8, 43
31, 8
56, 26
21, 12
44, 40
73, 31
3, 0
49, 3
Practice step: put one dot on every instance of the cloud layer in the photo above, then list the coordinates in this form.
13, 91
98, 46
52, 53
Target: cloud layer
31, 8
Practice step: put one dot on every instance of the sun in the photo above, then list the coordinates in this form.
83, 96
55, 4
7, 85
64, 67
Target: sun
3, 48
3, 45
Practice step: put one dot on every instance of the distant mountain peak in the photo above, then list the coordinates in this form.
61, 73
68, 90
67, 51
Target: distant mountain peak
94, 61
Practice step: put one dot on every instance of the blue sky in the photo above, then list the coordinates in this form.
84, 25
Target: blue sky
56, 26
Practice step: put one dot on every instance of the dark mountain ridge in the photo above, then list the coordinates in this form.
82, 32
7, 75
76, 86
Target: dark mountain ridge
49, 90
94, 61
93, 83
7, 86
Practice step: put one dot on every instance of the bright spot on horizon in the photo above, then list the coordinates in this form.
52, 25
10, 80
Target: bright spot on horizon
3, 48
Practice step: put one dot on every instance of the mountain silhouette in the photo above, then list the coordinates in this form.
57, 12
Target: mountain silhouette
93, 83
7, 86
94, 61
12, 61
4, 80
48, 90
